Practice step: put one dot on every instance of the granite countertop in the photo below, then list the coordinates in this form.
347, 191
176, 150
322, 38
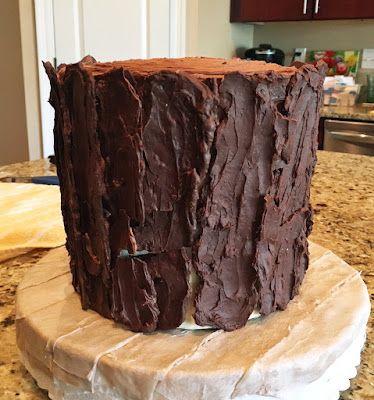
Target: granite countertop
357, 112
343, 199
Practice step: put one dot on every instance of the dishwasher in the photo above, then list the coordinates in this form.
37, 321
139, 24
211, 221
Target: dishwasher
349, 137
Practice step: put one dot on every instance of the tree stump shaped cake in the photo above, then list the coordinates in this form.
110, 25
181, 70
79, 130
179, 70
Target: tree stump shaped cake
185, 185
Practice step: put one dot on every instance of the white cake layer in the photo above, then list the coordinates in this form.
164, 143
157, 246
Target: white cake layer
308, 351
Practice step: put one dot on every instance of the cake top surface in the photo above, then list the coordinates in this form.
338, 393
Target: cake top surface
214, 67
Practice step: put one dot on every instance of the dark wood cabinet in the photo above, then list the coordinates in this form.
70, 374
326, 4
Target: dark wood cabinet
270, 10
299, 10
343, 9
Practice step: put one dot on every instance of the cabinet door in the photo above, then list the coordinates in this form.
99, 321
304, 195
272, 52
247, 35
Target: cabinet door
271, 10
343, 9
67, 30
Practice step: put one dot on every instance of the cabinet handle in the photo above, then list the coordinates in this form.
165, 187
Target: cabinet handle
316, 8
305, 6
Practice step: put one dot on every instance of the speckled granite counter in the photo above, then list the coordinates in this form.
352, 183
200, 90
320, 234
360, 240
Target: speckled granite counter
343, 198
357, 112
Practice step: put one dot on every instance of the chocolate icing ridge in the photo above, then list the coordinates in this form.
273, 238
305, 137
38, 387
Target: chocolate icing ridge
92, 287
244, 150
287, 203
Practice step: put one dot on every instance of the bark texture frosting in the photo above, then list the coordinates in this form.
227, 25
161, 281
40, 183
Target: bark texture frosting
204, 165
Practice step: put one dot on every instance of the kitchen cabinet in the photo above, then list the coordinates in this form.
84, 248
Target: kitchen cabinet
299, 10
343, 9
270, 10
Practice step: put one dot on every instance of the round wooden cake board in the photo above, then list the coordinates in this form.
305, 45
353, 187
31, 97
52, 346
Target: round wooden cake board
308, 351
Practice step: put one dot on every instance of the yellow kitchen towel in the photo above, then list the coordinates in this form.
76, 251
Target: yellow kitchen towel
30, 217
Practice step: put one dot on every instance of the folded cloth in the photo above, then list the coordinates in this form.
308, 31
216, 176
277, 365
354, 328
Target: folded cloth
30, 217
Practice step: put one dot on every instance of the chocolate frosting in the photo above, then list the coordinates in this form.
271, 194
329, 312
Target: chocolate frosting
202, 164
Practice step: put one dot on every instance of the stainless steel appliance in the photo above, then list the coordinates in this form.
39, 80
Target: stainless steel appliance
349, 137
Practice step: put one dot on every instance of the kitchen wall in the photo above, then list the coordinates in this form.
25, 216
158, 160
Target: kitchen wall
324, 35
13, 134
18, 84
314, 35
211, 33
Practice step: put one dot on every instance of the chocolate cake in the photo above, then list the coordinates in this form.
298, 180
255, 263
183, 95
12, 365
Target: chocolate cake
172, 169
